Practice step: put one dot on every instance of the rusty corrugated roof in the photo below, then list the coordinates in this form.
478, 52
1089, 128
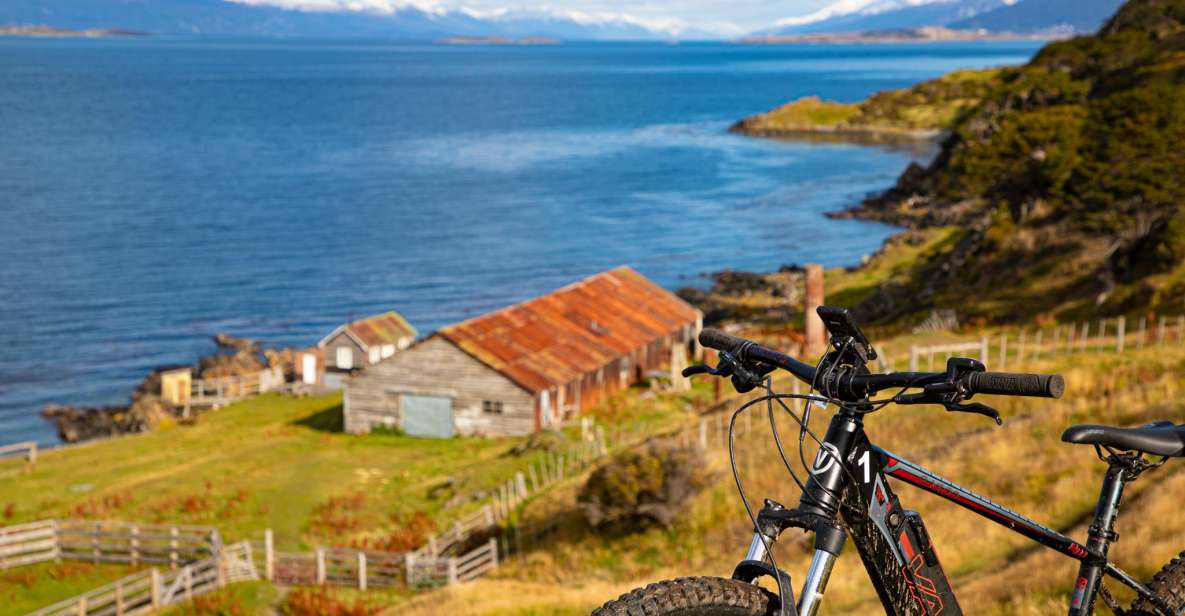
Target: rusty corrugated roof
559, 337
386, 328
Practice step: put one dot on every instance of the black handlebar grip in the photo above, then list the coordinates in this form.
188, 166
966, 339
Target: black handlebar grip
716, 339
1017, 384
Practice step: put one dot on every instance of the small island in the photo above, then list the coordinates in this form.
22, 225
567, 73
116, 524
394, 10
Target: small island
51, 32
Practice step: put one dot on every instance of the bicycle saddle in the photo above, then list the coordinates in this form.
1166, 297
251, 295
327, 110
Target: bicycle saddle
1161, 438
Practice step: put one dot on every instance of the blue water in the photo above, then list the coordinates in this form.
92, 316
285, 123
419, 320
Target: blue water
155, 192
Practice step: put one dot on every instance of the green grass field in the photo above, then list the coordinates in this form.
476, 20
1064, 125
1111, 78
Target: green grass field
280, 463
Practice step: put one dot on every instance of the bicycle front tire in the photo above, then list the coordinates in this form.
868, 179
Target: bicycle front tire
694, 596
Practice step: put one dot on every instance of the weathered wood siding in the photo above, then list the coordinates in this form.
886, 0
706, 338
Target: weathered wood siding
436, 367
343, 340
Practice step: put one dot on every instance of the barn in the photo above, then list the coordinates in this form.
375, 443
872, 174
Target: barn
529, 366
363, 343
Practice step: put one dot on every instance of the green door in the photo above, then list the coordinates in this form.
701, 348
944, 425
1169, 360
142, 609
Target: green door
430, 416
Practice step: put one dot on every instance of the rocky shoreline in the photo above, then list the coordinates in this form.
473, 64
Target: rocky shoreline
146, 411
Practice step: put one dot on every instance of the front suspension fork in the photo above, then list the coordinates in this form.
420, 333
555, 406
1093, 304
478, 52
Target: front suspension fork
829, 540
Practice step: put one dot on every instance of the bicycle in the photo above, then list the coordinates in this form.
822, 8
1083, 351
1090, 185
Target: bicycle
847, 492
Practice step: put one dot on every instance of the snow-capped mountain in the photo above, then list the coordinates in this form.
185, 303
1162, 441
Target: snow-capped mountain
994, 15
399, 19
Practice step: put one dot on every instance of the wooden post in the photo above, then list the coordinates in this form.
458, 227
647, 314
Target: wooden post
452, 570
320, 565
1003, 352
816, 334
173, 547
913, 358
1057, 334
361, 570
81, 609
155, 588
119, 598
930, 357
534, 478
521, 481
432, 545
1120, 330
1037, 347
983, 350
1143, 332
134, 545
96, 530
269, 555
1070, 337
492, 546
33, 452
703, 433
1159, 332
1085, 336
188, 573
1102, 333
409, 566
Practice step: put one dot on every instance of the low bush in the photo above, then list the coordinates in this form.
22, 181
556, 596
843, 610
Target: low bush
643, 487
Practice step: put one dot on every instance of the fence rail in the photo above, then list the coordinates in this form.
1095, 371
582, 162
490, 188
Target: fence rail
220, 391
148, 591
24, 449
1016, 348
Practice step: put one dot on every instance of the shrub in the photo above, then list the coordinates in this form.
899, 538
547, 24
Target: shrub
325, 602
639, 488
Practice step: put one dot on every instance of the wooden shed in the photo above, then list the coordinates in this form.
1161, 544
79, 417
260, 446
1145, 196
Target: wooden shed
363, 343
529, 366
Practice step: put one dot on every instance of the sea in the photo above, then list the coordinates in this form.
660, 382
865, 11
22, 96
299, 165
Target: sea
157, 191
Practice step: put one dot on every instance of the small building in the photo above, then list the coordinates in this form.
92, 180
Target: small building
529, 366
359, 344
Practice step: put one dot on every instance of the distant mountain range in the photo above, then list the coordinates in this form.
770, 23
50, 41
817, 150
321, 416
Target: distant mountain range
1022, 17
226, 18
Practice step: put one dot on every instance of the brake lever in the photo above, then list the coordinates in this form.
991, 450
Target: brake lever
975, 407
691, 371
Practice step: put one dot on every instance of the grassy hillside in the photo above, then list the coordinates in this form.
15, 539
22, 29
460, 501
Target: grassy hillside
918, 111
1022, 465
1065, 177
281, 463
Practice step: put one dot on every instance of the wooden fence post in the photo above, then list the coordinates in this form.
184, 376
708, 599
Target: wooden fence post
1037, 346
155, 588
33, 453
521, 480
173, 547
452, 570
361, 570
269, 555
983, 350
534, 478
1160, 331
320, 565
96, 530
409, 567
134, 545
1004, 351
703, 433
492, 546
1120, 330
1102, 333
1057, 334
1085, 337
1070, 337
119, 598
1143, 332
913, 358
81, 609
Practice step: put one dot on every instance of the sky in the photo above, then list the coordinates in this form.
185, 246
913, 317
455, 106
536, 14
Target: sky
719, 16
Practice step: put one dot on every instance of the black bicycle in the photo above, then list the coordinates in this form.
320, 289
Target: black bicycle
847, 493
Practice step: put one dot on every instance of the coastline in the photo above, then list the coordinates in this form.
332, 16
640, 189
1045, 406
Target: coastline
49, 32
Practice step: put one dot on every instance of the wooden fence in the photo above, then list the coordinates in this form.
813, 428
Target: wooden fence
26, 544
148, 591
135, 544
1012, 350
25, 449
221, 391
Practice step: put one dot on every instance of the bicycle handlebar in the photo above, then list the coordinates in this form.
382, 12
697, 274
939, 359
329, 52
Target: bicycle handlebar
1002, 383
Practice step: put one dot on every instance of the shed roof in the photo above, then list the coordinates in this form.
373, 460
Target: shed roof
386, 328
559, 337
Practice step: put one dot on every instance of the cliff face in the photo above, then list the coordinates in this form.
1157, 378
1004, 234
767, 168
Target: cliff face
1067, 178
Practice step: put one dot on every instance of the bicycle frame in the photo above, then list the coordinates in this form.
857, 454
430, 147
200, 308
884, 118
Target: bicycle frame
849, 479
